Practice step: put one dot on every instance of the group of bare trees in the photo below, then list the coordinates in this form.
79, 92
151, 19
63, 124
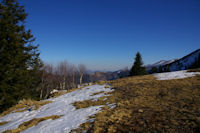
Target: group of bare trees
63, 76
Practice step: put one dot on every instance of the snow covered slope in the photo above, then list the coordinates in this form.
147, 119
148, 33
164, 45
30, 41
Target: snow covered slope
159, 63
183, 63
175, 75
62, 105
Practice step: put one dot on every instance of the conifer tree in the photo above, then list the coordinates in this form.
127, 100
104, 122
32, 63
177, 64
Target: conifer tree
153, 70
160, 69
19, 58
137, 68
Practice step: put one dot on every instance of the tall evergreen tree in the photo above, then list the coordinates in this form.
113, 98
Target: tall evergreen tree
19, 58
137, 68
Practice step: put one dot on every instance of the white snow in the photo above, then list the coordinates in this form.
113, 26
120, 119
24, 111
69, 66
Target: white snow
112, 106
186, 62
61, 105
175, 75
54, 91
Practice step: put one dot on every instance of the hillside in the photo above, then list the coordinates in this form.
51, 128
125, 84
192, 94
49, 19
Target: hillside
192, 60
158, 64
166, 102
184, 63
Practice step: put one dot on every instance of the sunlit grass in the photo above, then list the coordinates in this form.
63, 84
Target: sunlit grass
31, 123
144, 104
24, 105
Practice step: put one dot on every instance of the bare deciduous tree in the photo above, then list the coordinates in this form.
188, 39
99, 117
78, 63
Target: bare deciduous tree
82, 71
62, 69
61, 77
48, 81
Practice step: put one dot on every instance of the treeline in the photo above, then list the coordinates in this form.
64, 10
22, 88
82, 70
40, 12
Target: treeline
63, 76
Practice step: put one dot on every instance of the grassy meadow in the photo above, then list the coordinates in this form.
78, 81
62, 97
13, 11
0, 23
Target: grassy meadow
144, 104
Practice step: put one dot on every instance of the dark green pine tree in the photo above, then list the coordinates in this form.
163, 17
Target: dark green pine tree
19, 58
153, 70
137, 68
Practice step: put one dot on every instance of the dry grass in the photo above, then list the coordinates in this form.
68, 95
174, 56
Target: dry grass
145, 104
102, 82
82, 127
3, 123
87, 103
31, 123
96, 93
60, 93
24, 105
107, 86
194, 70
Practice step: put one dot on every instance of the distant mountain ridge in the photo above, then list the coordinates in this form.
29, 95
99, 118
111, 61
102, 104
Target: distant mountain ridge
191, 60
159, 63
96, 76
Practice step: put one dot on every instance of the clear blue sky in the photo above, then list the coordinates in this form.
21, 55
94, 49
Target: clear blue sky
106, 34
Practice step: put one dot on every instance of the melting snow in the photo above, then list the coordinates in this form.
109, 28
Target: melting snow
175, 75
112, 106
61, 105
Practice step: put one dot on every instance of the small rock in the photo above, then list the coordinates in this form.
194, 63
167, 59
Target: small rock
140, 111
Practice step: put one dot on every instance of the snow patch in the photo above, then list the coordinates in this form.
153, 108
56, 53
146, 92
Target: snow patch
175, 75
61, 105
112, 106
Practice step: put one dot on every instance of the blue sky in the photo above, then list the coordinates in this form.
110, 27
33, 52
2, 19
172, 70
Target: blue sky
106, 34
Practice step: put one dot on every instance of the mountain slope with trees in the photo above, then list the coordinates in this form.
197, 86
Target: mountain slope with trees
189, 61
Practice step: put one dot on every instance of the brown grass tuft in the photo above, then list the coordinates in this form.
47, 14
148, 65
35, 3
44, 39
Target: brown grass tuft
107, 86
24, 105
97, 93
60, 93
3, 123
194, 70
102, 82
31, 123
88, 103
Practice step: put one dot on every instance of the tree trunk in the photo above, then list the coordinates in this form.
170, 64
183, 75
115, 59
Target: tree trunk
41, 91
81, 78
42, 86
63, 84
